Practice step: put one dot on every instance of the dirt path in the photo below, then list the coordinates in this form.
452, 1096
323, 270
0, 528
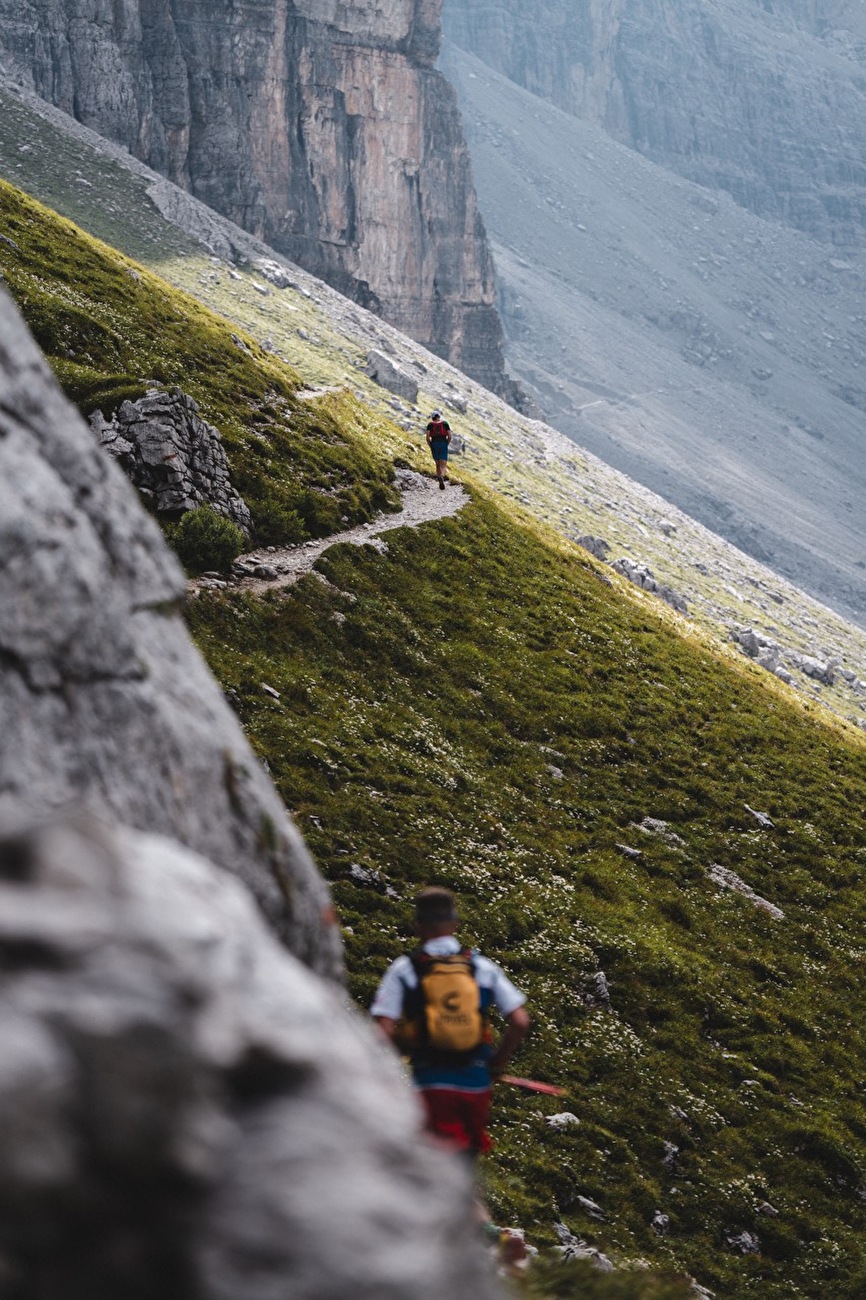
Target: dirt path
272, 567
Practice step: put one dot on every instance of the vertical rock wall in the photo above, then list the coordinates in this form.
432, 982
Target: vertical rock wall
763, 98
323, 128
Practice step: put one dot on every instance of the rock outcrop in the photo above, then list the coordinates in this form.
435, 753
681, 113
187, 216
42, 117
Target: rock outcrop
186, 1113
104, 702
766, 101
391, 376
172, 455
324, 129
642, 576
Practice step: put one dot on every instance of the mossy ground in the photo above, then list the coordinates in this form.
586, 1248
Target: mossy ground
477, 709
110, 329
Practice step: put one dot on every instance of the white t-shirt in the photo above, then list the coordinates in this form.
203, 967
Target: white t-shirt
401, 976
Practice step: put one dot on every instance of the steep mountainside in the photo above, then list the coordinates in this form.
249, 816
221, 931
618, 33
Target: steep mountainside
765, 100
660, 842
714, 355
326, 130
299, 319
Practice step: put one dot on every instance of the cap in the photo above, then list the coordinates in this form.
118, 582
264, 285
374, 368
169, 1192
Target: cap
437, 415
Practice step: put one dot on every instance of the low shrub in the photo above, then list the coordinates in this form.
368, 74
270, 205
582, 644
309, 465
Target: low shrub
277, 524
204, 539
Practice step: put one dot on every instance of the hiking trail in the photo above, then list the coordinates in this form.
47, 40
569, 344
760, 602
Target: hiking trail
270, 567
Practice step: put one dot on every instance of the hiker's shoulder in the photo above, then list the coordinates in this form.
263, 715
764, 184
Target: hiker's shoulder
485, 967
399, 976
401, 965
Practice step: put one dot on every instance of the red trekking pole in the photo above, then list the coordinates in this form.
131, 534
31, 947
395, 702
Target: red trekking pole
533, 1085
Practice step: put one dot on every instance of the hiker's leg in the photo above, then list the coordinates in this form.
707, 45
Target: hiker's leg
475, 1116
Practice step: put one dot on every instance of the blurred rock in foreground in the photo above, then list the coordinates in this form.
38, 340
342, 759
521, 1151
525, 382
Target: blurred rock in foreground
186, 1113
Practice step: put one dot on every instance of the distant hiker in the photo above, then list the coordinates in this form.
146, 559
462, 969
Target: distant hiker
438, 438
434, 1004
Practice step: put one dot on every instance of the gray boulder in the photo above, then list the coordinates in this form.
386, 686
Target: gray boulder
186, 1111
820, 670
104, 702
642, 576
596, 546
172, 455
383, 371
763, 649
275, 273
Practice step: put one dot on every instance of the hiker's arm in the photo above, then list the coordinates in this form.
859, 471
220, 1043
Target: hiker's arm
516, 1029
387, 1027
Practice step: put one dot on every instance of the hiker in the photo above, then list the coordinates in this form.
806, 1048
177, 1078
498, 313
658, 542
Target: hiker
434, 1004
438, 438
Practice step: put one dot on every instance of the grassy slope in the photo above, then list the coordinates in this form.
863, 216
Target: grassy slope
109, 329
416, 734
425, 698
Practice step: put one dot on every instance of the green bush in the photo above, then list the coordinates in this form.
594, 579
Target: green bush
277, 524
320, 513
204, 540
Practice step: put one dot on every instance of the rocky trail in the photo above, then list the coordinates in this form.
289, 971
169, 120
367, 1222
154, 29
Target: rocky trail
271, 567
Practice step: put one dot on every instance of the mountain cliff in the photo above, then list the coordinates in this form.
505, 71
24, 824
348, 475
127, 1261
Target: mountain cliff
324, 129
763, 100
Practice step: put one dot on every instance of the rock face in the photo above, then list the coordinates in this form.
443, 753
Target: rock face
391, 376
324, 129
172, 455
104, 702
764, 100
186, 1113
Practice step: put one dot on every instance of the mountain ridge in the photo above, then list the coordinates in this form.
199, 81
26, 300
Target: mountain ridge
764, 101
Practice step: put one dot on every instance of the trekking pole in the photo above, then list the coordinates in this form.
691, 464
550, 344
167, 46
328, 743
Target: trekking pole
533, 1085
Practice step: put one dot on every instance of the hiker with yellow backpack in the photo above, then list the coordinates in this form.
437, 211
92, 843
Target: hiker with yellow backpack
434, 1004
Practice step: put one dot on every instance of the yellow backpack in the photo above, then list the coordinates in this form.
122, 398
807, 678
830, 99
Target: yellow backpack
443, 1016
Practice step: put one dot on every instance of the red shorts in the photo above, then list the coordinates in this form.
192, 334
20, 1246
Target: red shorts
459, 1118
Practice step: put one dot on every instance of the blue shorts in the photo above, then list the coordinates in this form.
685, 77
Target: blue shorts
439, 448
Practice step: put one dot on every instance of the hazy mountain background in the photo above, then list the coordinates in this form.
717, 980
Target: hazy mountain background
675, 199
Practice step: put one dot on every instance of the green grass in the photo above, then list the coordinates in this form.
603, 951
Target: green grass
425, 697
109, 329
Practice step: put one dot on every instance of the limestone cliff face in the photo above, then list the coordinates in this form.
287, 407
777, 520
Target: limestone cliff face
763, 98
321, 126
